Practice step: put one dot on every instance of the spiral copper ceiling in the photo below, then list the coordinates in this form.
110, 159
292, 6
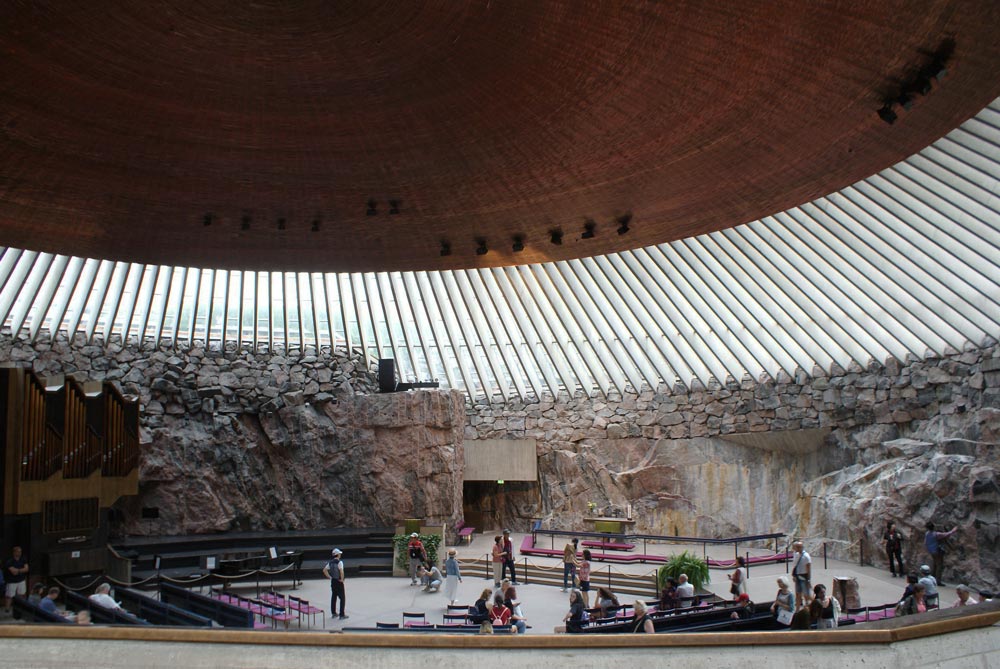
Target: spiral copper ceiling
347, 136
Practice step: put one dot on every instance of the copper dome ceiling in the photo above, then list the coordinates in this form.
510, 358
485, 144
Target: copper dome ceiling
258, 135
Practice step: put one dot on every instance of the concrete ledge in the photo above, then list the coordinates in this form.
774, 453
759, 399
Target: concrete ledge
883, 632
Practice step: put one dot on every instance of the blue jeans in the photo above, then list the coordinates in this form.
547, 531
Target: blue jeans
569, 572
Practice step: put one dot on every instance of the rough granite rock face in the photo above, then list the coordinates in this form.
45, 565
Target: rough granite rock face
362, 462
295, 439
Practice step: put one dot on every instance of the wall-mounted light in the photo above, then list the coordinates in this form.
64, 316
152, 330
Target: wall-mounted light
393, 207
372, 208
555, 236
207, 220
481, 248
623, 222
445, 248
518, 244
887, 114
281, 224
315, 225
245, 223
588, 230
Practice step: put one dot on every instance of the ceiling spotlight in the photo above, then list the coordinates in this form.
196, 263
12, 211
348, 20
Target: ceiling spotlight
281, 224
445, 249
623, 222
887, 115
245, 223
372, 208
207, 221
315, 225
555, 236
588, 230
939, 71
518, 245
393, 207
905, 101
481, 249
922, 86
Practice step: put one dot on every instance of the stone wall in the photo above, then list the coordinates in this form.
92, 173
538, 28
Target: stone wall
234, 439
240, 439
829, 457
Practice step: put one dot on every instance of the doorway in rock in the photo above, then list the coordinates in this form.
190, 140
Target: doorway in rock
491, 506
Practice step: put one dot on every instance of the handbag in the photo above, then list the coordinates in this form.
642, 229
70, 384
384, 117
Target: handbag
785, 616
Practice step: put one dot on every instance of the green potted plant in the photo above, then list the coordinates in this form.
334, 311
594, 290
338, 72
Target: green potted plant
685, 563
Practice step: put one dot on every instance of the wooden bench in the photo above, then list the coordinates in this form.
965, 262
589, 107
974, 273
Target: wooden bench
609, 545
464, 532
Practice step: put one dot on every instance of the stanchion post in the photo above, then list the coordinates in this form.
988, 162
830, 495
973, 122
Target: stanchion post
824, 555
747, 565
786, 559
524, 569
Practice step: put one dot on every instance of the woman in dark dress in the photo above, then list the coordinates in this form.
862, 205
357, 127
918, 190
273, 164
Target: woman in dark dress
641, 624
894, 549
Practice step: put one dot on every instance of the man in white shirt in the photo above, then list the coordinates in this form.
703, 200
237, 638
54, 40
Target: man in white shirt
102, 598
802, 575
964, 598
684, 589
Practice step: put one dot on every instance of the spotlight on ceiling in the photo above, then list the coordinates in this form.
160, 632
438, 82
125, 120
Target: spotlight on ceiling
281, 224
623, 222
555, 236
905, 101
887, 115
481, 248
939, 71
518, 245
315, 225
207, 221
245, 223
588, 230
445, 248
922, 86
393, 207
372, 208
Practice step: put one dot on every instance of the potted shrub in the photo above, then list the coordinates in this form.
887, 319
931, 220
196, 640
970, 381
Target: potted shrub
685, 563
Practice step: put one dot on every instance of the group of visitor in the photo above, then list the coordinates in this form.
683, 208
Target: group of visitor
505, 610
503, 559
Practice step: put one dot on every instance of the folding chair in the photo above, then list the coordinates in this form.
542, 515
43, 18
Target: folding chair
414, 619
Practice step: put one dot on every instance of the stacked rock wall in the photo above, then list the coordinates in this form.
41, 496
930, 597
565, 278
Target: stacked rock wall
240, 439
234, 439
829, 457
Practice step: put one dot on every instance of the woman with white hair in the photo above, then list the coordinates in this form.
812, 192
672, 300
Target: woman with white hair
641, 624
101, 597
784, 602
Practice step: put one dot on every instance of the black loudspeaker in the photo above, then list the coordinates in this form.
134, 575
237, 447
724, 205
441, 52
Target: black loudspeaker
386, 375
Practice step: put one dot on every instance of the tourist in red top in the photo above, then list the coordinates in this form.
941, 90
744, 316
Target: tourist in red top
499, 614
417, 555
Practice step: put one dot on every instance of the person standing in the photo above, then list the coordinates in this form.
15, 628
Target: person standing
497, 559
739, 578
894, 549
584, 575
334, 570
802, 574
569, 564
417, 554
453, 576
15, 571
508, 557
934, 543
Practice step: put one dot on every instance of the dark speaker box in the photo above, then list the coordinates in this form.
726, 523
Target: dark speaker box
386, 375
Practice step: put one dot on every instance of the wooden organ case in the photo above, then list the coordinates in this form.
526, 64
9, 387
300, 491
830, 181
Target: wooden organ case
70, 451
